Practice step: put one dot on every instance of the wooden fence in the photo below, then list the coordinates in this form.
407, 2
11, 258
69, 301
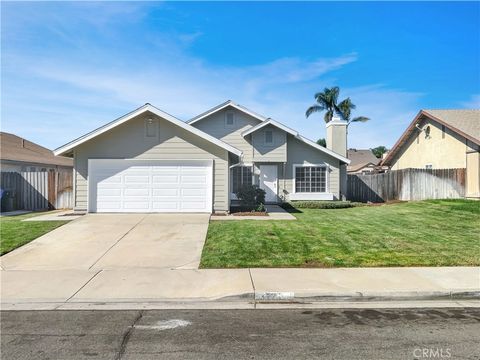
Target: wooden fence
407, 184
34, 190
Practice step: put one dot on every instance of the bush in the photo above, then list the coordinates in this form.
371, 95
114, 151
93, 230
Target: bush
251, 196
311, 204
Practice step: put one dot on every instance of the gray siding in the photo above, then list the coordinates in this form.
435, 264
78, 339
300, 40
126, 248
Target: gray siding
214, 125
299, 153
128, 141
275, 152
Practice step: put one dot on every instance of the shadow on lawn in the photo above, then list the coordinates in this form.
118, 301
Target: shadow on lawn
291, 209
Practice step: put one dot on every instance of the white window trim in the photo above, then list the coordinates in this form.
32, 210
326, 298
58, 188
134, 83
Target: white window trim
311, 195
226, 116
265, 137
233, 196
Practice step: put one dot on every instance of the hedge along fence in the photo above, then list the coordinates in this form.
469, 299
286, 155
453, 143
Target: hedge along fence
407, 184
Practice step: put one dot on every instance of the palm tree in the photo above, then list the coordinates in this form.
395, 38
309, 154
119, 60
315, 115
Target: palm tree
345, 110
328, 101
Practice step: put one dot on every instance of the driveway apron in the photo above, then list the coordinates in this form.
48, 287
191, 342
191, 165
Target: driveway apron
111, 241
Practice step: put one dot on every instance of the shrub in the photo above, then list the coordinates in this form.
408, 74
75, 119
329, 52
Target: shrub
251, 196
311, 204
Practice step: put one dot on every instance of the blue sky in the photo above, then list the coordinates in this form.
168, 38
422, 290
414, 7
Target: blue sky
69, 67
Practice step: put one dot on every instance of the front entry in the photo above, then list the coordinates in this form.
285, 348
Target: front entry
268, 182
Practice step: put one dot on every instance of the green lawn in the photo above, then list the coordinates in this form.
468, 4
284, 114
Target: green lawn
424, 233
14, 232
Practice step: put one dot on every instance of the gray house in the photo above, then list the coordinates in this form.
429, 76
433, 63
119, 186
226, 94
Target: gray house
150, 161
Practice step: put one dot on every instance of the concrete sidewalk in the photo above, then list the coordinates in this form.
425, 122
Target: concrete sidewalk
46, 289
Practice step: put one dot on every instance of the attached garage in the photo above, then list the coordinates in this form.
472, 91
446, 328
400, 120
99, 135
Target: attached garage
149, 161
118, 185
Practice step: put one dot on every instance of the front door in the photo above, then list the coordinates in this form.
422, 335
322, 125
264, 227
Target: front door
268, 182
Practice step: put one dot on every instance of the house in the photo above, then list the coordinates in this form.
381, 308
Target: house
441, 139
362, 161
150, 161
18, 154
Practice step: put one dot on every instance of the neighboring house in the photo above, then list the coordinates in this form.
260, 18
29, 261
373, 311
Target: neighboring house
150, 161
18, 154
362, 162
441, 139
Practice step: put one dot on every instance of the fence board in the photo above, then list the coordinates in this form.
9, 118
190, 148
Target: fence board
407, 184
33, 190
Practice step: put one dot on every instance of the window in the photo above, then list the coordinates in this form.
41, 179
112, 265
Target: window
43, 169
268, 137
229, 119
151, 128
33, 168
443, 131
429, 166
427, 132
241, 175
310, 179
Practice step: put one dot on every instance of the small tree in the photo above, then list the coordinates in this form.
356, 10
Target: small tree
251, 196
379, 151
322, 142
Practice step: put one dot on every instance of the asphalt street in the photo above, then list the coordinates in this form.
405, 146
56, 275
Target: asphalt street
242, 334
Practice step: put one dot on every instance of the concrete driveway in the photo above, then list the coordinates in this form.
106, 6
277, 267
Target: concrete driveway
116, 241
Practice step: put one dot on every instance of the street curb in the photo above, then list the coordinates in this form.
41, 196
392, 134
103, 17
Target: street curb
268, 297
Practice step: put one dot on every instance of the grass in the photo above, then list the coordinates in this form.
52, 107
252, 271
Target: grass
14, 232
423, 233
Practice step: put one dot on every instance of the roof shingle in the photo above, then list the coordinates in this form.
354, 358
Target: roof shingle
15, 148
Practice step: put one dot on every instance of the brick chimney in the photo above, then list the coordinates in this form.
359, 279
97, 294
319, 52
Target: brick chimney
337, 136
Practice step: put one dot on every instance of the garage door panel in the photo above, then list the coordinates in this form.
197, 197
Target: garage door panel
192, 179
165, 179
136, 205
136, 192
165, 192
150, 186
109, 192
135, 179
194, 192
165, 205
187, 205
105, 204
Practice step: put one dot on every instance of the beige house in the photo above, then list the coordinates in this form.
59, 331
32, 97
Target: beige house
441, 139
150, 161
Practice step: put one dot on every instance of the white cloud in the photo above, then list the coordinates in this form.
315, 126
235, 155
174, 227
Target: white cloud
66, 95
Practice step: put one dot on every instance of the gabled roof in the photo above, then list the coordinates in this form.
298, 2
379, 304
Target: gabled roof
361, 157
296, 135
223, 106
143, 109
466, 123
15, 148
270, 121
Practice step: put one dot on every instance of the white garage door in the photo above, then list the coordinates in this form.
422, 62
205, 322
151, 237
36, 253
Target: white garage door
149, 186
